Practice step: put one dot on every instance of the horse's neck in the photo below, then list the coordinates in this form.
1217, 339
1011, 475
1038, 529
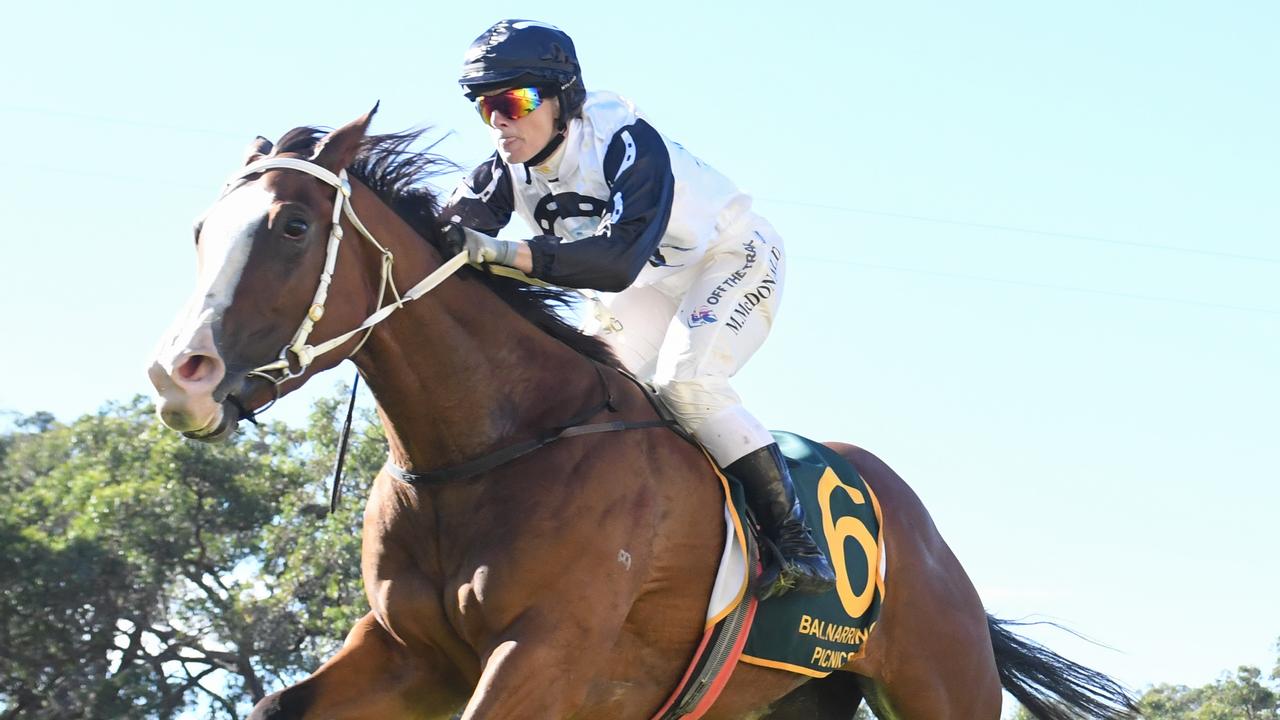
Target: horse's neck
458, 372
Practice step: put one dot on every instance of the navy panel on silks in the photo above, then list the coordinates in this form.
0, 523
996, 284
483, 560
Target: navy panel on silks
816, 634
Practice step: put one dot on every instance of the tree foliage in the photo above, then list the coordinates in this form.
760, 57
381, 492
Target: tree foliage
145, 574
1242, 695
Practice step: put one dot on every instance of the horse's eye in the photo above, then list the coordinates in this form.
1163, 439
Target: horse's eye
295, 229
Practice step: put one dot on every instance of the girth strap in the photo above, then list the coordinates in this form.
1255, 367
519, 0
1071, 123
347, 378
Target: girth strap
511, 452
573, 428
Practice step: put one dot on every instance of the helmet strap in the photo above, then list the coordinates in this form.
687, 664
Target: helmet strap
547, 151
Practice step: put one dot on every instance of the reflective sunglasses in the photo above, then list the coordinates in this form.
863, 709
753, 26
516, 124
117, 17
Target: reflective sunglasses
514, 104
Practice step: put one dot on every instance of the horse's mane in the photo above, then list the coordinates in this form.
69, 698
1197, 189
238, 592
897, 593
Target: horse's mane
399, 176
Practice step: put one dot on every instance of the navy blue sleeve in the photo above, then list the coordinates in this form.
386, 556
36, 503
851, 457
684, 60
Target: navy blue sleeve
637, 168
483, 200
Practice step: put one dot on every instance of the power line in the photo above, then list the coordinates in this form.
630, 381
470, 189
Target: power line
1042, 286
85, 172
73, 115
1027, 231
840, 261
800, 203
838, 208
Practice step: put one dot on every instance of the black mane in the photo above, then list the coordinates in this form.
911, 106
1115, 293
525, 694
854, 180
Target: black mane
399, 176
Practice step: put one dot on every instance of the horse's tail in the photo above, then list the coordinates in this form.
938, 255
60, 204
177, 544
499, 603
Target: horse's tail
1052, 687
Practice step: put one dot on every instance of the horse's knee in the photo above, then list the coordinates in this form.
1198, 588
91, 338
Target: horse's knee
288, 704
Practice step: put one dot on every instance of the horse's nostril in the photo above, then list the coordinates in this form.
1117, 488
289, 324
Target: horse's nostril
194, 368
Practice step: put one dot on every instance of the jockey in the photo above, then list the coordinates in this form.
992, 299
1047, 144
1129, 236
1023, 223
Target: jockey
695, 276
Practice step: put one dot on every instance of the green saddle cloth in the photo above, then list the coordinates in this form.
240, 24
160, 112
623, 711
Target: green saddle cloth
816, 634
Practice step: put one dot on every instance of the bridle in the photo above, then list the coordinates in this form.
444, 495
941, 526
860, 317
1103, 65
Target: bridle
281, 370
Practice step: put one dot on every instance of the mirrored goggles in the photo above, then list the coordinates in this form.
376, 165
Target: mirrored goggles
514, 104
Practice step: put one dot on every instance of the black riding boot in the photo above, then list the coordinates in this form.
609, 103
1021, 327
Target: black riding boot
767, 482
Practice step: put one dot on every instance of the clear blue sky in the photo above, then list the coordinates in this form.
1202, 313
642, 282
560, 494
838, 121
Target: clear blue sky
1034, 257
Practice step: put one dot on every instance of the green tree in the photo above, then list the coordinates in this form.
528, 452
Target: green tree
1243, 695
145, 574
1275, 672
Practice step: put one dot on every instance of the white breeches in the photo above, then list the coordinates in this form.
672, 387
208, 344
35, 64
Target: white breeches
689, 333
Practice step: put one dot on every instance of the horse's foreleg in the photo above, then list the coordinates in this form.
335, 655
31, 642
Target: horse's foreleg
525, 680
372, 676
834, 697
547, 669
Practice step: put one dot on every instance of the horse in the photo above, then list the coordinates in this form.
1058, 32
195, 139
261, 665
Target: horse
569, 579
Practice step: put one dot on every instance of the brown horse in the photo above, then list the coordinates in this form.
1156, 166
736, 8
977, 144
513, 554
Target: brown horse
505, 594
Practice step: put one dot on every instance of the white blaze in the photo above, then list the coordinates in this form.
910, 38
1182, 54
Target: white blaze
226, 238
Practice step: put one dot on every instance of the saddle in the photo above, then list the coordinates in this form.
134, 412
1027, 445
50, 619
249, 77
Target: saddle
812, 635
839, 508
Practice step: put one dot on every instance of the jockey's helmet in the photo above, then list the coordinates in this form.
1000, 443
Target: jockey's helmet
516, 53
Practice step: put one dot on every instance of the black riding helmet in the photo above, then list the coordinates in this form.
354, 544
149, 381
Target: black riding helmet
516, 53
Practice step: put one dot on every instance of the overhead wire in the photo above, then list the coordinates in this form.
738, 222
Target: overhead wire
1038, 285
89, 117
1025, 230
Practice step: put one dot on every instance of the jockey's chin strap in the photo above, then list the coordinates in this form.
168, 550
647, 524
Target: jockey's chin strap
303, 353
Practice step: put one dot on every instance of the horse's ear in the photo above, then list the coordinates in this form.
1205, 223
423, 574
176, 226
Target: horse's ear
339, 148
257, 149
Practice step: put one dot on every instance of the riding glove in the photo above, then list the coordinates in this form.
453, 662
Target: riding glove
480, 248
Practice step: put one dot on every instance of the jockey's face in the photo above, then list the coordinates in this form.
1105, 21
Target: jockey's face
519, 140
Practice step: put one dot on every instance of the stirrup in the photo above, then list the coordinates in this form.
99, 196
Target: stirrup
805, 568
807, 571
